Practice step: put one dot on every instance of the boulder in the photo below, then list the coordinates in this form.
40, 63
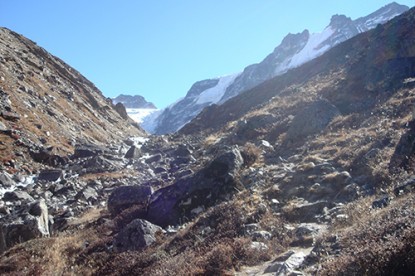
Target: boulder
126, 196
306, 211
405, 187
174, 204
6, 180
133, 152
82, 151
32, 222
3, 127
183, 151
288, 262
88, 194
137, 235
120, 108
17, 195
381, 202
50, 175
154, 158
45, 156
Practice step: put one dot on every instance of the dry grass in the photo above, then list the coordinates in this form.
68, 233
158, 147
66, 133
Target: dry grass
377, 242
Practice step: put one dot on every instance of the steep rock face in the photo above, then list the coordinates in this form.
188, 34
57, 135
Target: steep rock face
52, 103
135, 101
294, 50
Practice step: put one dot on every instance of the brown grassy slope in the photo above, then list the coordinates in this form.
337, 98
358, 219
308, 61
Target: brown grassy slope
54, 101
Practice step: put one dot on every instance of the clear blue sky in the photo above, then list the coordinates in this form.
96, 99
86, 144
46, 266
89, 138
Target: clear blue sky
158, 49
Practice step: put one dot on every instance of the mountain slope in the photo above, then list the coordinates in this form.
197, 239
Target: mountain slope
294, 50
53, 104
355, 69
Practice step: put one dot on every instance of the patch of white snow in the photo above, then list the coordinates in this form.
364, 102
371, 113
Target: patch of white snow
312, 49
214, 94
138, 114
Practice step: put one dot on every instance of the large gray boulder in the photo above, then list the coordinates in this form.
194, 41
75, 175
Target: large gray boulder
186, 197
126, 196
137, 235
28, 223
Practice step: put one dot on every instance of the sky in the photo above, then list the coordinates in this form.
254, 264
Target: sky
158, 49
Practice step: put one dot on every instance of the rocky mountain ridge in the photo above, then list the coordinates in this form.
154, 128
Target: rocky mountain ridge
294, 50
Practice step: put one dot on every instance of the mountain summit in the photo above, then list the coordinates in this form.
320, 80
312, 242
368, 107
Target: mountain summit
294, 50
135, 101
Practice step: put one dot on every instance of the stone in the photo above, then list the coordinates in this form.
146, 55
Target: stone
259, 246
133, 152
82, 151
172, 204
381, 202
6, 180
10, 116
288, 262
51, 175
261, 235
405, 187
137, 235
88, 194
45, 156
120, 108
307, 211
17, 195
183, 151
3, 127
153, 158
126, 196
32, 223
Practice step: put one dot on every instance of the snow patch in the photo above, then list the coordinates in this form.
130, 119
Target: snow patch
214, 94
312, 49
138, 114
